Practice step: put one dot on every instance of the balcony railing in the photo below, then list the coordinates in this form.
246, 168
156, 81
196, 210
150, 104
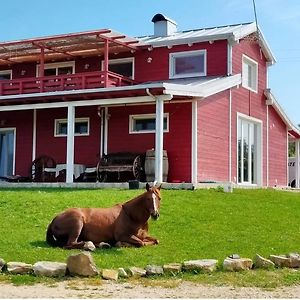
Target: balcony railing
80, 81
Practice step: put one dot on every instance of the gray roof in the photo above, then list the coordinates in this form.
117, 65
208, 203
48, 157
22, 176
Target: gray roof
232, 33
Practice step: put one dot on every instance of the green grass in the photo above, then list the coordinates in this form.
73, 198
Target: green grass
193, 225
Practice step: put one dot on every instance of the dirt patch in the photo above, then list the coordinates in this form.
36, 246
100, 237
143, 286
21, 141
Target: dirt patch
106, 289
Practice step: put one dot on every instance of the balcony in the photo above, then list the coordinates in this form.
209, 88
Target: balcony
80, 81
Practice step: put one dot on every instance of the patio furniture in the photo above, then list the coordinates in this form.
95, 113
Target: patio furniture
38, 166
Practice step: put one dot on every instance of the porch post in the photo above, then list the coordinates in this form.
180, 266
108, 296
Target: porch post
70, 144
159, 139
34, 135
297, 161
42, 63
194, 143
105, 63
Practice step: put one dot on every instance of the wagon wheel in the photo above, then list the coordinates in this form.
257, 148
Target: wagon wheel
137, 167
38, 168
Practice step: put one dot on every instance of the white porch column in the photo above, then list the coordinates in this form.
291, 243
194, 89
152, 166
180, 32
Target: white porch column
70, 144
194, 143
34, 135
159, 139
297, 161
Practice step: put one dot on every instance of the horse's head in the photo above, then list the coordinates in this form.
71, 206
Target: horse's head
153, 200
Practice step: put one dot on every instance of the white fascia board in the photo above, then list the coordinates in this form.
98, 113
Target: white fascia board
271, 100
204, 89
103, 102
265, 47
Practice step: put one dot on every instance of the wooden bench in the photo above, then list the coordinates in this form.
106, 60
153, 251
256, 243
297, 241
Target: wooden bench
121, 162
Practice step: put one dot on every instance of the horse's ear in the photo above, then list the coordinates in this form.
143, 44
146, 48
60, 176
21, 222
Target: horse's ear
147, 186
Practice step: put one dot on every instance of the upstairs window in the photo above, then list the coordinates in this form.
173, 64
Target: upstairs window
81, 127
122, 66
5, 75
146, 123
187, 64
249, 74
55, 69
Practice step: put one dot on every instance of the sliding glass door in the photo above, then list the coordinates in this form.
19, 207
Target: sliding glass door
7, 152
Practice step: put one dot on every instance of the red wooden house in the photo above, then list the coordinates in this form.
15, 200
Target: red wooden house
202, 95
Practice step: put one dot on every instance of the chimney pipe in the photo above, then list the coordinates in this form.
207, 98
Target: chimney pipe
163, 26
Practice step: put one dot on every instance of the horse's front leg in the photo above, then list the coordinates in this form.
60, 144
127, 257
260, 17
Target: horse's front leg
150, 241
132, 241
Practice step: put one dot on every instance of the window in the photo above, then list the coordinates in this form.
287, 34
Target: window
249, 150
249, 74
122, 66
187, 64
146, 123
55, 69
81, 127
6, 74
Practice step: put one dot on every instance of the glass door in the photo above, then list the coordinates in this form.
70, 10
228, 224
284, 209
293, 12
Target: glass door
7, 152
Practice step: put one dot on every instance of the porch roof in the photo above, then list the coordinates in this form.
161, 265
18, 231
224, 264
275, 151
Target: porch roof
178, 88
65, 46
271, 100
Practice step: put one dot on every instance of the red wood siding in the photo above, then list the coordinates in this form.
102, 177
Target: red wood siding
22, 121
277, 150
247, 102
87, 148
213, 143
158, 69
177, 141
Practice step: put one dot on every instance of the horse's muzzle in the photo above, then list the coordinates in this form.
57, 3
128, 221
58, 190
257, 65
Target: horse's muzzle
155, 215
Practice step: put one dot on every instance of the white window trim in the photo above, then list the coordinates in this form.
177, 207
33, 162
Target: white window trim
57, 121
144, 117
260, 149
174, 55
247, 60
119, 61
4, 72
56, 65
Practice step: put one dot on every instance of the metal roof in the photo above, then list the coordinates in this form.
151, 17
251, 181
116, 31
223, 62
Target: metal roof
232, 33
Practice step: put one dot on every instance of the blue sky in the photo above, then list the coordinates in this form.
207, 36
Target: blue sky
278, 19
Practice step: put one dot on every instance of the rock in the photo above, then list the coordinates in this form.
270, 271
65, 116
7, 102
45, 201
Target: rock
202, 265
110, 274
122, 273
263, 263
154, 270
281, 261
49, 268
237, 264
2, 264
19, 268
136, 272
82, 264
104, 245
89, 246
172, 268
295, 260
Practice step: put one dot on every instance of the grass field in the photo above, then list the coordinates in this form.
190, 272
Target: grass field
192, 225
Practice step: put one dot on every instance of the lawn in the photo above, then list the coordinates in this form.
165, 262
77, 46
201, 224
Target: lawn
192, 225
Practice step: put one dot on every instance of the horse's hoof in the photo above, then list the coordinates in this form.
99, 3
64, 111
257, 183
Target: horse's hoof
156, 242
104, 245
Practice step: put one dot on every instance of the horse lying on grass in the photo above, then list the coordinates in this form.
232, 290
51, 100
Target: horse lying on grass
121, 225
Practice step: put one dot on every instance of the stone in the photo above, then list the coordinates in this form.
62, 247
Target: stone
154, 270
110, 274
104, 245
136, 272
172, 268
89, 246
14, 267
202, 265
295, 260
263, 263
281, 261
49, 269
122, 273
2, 264
237, 264
82, 264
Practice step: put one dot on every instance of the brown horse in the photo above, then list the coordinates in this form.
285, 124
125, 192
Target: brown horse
121, 225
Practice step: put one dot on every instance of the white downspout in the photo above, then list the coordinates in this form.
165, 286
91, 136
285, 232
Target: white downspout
230, 137
267, 158
70, 144
106, 117
194, 143
34, 136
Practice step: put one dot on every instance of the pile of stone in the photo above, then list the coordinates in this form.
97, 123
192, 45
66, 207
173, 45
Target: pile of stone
82, 264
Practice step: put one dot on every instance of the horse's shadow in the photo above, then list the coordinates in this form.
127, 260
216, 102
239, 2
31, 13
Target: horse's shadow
40, 244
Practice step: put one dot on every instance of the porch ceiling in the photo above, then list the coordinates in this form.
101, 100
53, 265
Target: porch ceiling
66, 46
